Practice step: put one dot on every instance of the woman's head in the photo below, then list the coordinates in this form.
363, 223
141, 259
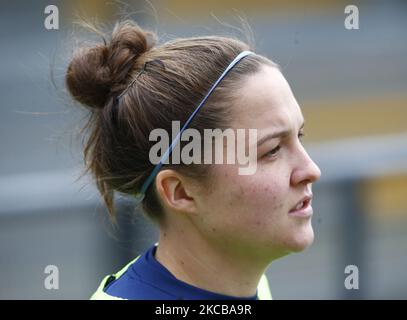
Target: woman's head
253, 213
134, 87
176, 76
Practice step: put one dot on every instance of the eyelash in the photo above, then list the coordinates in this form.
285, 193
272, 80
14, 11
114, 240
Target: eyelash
276, 149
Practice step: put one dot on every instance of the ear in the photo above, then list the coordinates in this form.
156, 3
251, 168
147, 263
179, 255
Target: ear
174, 191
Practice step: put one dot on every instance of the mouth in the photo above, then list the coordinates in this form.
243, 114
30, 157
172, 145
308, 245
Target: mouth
303, 208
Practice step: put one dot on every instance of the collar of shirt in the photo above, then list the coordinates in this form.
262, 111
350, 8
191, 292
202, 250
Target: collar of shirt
147, 278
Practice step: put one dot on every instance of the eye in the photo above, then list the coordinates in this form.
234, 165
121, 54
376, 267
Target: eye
273, 152
301, 136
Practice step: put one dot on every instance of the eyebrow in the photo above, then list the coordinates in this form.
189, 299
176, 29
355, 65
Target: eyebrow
278, 134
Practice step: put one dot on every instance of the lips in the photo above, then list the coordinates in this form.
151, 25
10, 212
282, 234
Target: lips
303, 203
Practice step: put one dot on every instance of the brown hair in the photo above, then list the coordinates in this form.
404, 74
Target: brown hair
171, 80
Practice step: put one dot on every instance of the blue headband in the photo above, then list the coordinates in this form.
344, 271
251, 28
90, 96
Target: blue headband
140, 195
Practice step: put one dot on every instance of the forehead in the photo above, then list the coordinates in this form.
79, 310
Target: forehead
266, 100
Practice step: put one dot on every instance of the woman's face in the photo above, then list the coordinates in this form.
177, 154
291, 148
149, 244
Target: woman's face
250, 214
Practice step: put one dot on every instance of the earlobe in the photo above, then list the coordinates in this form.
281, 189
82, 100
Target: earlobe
173, 191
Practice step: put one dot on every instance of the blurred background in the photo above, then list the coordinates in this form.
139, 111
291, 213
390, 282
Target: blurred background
351, 84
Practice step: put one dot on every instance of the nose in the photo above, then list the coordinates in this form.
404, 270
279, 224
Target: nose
305, 170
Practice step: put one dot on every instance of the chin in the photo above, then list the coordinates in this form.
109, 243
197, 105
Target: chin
302, 240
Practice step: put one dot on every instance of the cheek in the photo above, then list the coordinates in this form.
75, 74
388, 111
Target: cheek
263, 194
256, 200
251, 212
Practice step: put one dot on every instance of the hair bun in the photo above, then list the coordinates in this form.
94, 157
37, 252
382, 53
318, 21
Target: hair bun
94, 71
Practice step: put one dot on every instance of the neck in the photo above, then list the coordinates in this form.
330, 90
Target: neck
203, 264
